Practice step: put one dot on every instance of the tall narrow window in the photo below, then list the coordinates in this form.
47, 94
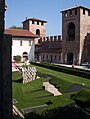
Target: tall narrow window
20, 42
38, 32
71, 31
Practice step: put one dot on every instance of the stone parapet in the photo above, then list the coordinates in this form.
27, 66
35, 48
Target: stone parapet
51, 38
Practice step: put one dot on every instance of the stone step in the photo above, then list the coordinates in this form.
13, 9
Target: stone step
50, 88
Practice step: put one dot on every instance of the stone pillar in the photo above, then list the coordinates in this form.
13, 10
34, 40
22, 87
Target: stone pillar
5, 69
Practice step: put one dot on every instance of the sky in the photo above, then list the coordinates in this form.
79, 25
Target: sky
49, 10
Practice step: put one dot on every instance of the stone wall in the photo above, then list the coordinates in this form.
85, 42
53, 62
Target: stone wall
6, 79
49, 49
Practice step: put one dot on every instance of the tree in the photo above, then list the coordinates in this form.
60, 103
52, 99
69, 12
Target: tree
15, 27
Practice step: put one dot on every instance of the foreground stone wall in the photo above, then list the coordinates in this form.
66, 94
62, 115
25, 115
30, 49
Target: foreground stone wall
6, 79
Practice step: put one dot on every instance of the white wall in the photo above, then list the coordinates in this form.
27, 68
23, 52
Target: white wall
18, 50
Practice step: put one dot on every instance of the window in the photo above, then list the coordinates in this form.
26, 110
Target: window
32, 21
75, 11
29, 43
21, 43
37, 22
37, 32
71, 31
83, 11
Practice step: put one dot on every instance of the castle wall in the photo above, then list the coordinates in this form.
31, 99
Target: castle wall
84, 29
49, 49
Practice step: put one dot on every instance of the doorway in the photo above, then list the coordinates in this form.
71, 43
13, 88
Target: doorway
70, 58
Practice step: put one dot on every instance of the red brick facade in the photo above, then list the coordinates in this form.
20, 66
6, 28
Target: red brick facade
73, 47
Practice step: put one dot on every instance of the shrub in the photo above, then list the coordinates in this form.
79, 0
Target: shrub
82, 98
17, 58
69, 70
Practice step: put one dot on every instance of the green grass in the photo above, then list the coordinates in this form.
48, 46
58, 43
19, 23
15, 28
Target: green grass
33, 94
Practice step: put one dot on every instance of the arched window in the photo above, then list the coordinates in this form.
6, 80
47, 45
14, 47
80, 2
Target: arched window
71, 31
38, 32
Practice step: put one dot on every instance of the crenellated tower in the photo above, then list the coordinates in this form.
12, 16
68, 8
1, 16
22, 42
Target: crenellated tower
75, 26
36, 26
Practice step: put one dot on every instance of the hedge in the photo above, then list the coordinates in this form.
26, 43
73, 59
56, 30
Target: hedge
69, 70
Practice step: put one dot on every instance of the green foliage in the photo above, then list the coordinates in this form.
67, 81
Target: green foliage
17, 58
66, 112
15, 27
82, 98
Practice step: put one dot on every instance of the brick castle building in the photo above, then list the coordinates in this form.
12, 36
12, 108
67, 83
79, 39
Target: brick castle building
73, 46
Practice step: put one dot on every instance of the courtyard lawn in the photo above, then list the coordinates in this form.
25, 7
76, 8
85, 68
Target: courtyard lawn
33, 94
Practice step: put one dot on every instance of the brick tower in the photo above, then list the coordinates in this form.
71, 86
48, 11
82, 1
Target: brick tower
36, 26
75, 26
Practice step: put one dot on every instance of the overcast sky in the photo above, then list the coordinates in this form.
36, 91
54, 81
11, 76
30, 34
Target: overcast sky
48, 10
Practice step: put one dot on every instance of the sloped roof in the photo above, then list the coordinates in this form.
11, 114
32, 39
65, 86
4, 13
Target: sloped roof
20, 33
35, 19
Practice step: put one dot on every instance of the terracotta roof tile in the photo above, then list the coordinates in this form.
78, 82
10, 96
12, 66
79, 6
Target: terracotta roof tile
20, 33
35, 19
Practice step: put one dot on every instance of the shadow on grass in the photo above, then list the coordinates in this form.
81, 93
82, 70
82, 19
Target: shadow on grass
45, 96
67, 112
18, 81
75, 88
34, 90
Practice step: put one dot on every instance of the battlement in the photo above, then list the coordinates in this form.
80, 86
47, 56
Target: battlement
50, 39
50, 42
